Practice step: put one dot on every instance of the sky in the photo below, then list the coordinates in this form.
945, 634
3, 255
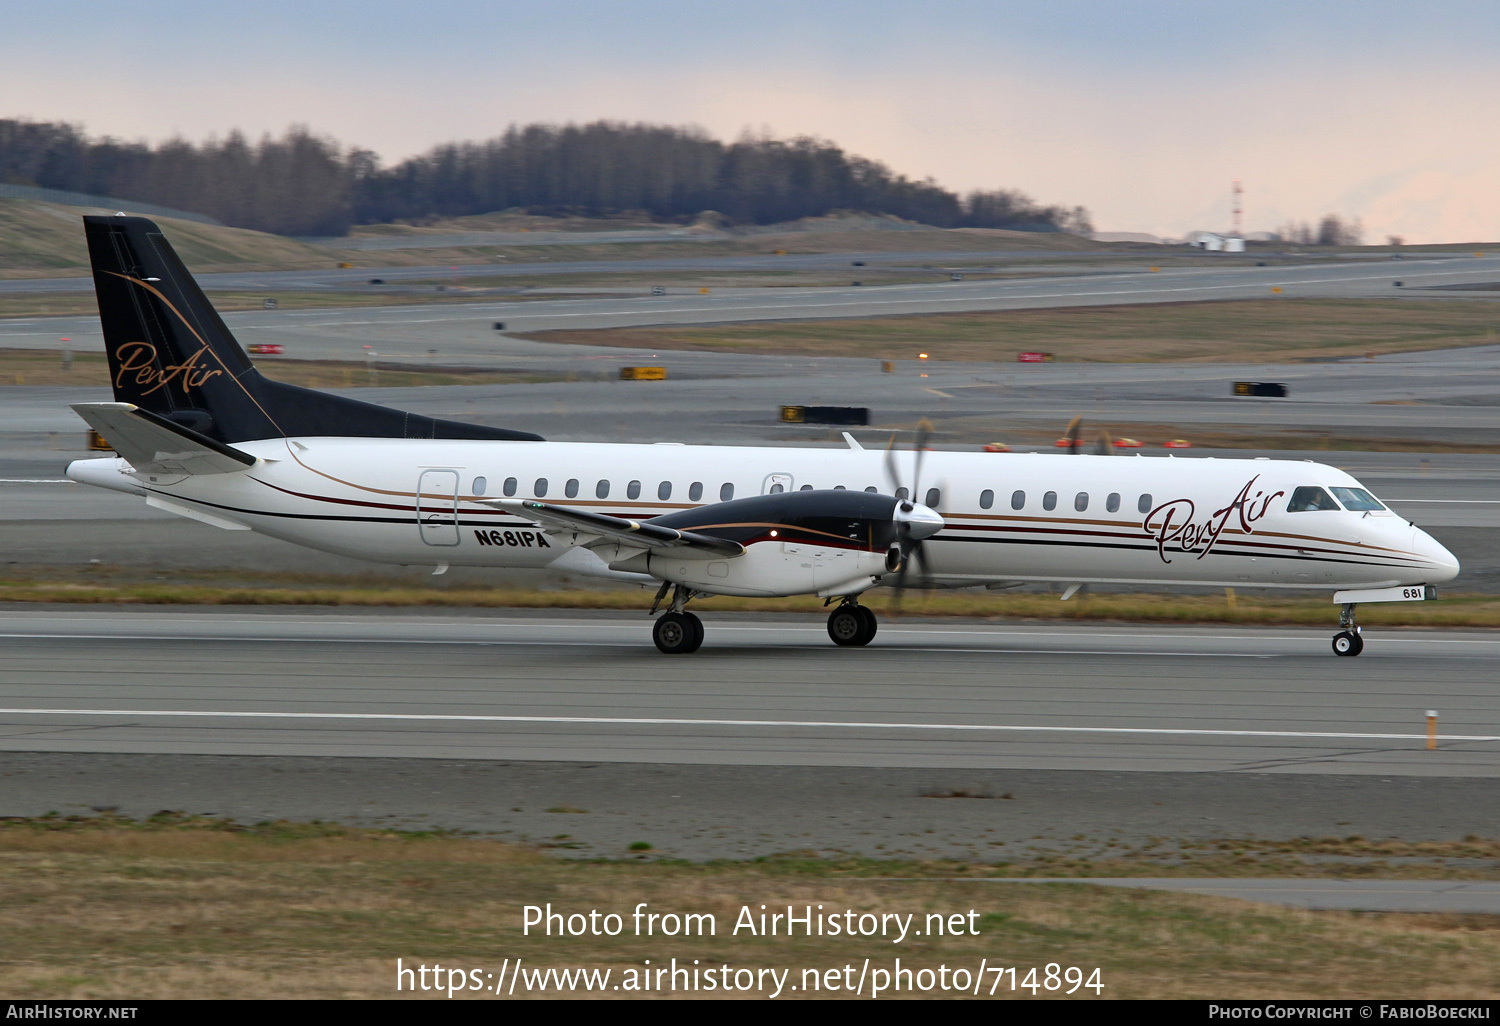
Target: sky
1143, 111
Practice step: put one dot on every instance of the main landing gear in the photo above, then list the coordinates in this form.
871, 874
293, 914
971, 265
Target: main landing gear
1348, 642
851, 624
676, 632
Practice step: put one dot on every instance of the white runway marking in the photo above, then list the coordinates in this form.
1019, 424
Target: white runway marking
599, 643
659, 721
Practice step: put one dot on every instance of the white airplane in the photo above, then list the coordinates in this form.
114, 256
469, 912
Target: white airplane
201, 433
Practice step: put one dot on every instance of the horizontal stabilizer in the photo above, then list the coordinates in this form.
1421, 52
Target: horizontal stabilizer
155, 445
618, 529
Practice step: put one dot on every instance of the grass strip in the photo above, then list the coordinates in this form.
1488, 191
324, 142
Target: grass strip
1270, 330
45, 367
1461, 610
185, 907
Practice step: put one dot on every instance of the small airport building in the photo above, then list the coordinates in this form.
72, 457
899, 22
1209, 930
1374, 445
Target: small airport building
1213, 242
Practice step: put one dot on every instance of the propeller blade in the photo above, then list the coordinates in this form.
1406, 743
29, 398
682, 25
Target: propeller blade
1074, 426
890, 464
924, 435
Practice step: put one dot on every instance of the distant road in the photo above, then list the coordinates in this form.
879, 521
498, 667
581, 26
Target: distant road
1360, 278
344, 278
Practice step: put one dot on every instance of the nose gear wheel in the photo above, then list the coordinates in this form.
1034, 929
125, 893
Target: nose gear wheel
1348, 641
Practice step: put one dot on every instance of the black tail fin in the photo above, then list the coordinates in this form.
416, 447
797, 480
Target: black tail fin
170, 353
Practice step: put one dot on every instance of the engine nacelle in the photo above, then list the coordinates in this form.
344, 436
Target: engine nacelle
773, 568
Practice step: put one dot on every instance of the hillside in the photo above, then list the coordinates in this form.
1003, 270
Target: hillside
43, 240
46, 240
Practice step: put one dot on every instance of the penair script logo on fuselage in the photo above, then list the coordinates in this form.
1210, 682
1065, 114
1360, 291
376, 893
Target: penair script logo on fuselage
1173, 524
139, 359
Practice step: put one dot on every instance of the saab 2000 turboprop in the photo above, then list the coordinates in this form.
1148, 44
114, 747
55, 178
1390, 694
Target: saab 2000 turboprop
201, 433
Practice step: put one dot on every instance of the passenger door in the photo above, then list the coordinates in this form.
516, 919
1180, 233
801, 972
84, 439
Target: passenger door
776, 483
437, 507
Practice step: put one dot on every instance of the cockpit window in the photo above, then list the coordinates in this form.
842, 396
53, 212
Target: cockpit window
1310, 497
1357, 499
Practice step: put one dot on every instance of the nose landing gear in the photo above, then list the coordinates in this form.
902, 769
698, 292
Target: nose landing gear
1348, 642
851, 625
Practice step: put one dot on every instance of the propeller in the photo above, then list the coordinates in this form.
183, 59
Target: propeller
1075, 426
914, 522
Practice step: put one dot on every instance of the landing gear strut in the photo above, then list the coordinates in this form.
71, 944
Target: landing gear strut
851, 624
1348, 642
677, 632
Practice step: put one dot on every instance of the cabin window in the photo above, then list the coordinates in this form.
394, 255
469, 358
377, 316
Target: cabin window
776, 488
1017, 500
1049, 501
633, 490
1143, 504
601, 490
1310, 497
1081, 501
986, 498
540, 488
664, 490
902, 494
872, 488
726, 492
695, 491
571, 488
479, 485
934, 498
509, 487
1112, 504
1356, 499
840, 488
805, 488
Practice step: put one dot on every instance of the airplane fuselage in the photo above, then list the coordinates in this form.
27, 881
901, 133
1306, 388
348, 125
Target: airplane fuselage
1009, 517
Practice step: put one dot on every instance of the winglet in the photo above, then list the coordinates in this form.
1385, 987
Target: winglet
853, 442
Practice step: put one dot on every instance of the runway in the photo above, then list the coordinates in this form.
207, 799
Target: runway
762, 692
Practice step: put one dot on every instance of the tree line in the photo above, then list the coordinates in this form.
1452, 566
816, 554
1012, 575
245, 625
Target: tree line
308, 184
1331, 230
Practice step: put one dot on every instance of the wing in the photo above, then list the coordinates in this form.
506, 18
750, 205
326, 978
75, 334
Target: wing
632, 533
155, 445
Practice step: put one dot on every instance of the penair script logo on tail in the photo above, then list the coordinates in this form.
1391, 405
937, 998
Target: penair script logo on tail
139, 359
1177, 528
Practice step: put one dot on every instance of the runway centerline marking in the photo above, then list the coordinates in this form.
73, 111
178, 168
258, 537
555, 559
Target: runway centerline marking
660, 721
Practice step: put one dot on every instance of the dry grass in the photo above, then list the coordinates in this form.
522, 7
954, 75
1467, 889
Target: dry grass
1269, 330
45, 367
101, 586
46, 240
183, 908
